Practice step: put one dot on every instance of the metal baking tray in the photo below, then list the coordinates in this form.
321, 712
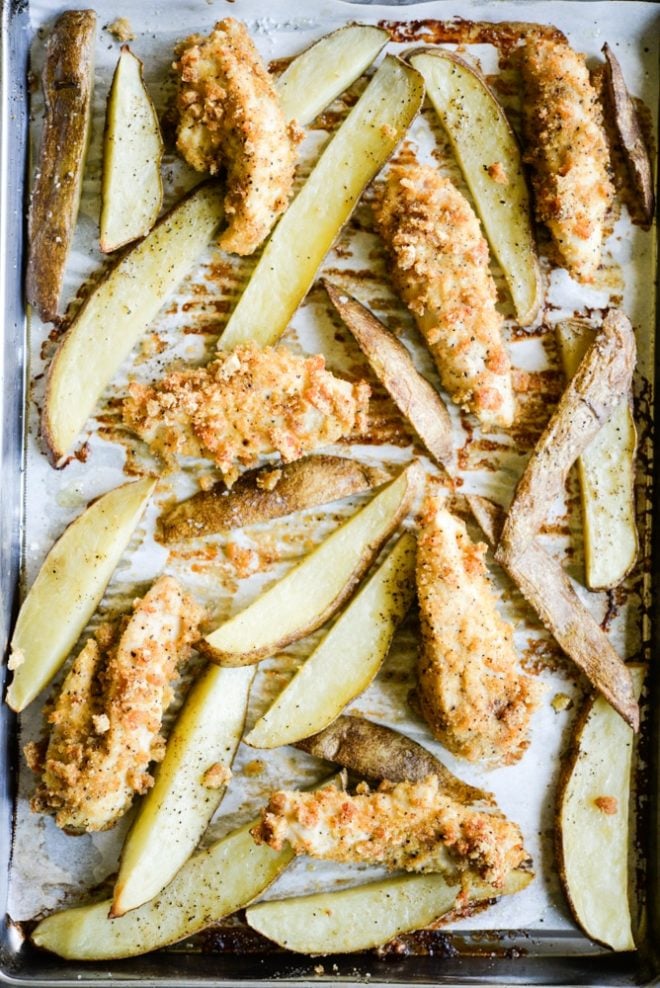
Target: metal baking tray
504, 957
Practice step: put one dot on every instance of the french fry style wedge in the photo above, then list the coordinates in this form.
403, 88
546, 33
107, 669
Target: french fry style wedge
316, 588
347, 659
189, 786
69, 586
118, 311
607, 478
369, 915
489, 156
392, 364
306, 232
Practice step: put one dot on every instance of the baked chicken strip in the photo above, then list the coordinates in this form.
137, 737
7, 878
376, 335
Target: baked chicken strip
105, 723
567, 149
439, 265
245, 404
413, 826
474, 696
230, 116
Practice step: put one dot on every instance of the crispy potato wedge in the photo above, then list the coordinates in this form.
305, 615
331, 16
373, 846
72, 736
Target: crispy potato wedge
593, 829
316, 588
349, 656
69, 586
369, 915
392, 364
68, 81
268, 492
132, 189
489, 157
603, 379
118, 311
607, 477
324, 70
177, 810
358, 150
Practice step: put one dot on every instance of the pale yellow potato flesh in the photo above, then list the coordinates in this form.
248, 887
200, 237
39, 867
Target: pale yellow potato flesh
315, 589
354, 156
594, 844
347, 659
119, 310
69, 586
367, 916
607, 477
487, 150
132, 189
177, 810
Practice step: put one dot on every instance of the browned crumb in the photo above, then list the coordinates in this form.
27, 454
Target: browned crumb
121, 29
607, 804
216, 776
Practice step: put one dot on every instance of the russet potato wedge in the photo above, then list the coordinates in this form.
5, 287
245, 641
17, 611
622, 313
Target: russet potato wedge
69, 586
177, 810
68, 80
369, 915
118, 311
355, 154
607, 477
132, 189
347, 659
489, 157
593, 837
316, 588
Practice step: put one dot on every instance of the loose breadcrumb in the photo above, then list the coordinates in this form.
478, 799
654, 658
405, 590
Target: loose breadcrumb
121, 29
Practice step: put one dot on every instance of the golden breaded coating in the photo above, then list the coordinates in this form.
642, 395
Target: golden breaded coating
246, 404
413, 826
105, 723
474, 696
567, 149
439, 264
230, 116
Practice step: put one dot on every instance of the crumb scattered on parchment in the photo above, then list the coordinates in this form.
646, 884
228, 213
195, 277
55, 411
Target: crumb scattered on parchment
121, 29
246, 561
607, 804
319, 969
216, 776
255, 767
561, 701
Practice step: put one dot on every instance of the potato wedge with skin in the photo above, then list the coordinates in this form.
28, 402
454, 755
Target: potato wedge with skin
117, 312
489, 157
369, 915
268, 492
392, 364
355, 154
316, 588
69, 586
132, 189
607, 478
347, 659
68, 80
177, 810
593, 838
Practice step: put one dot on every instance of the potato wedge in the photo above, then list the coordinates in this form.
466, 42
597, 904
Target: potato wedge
118, 311
132, 189
392, 364
593, 838
316, 588
268, 492
68, 81
324, 70
489, 157
177, 810
69, 586
358, 150
607, 478
347, 659
369, 915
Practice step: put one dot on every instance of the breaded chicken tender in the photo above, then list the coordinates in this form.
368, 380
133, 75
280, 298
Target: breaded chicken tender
230, 116
413, 826
105, 723
472, 692
246, 404
567, 149
439, 265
